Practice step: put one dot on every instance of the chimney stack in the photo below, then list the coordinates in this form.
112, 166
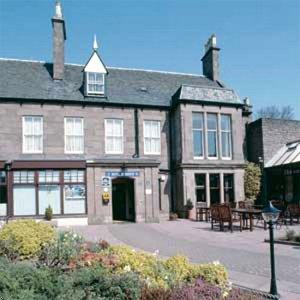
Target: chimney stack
210, 60
59, 37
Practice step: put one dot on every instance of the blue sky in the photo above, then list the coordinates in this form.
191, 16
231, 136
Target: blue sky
259, 40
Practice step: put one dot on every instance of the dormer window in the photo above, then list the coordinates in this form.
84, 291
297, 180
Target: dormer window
94, 74
95, 83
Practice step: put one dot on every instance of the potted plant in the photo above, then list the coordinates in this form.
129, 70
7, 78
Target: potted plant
48, 213
189, 206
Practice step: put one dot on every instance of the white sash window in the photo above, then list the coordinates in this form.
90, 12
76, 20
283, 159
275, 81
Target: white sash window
151, 137
113, 136
226, 136
74, 135
32, 134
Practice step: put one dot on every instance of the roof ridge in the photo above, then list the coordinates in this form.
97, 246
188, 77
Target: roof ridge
116, 68
157, 71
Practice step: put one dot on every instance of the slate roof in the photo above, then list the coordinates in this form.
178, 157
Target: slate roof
31, 80
288, 154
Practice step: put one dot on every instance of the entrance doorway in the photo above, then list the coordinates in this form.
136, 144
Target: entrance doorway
123, 199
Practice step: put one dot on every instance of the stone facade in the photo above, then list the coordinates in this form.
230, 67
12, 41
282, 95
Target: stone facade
186, 165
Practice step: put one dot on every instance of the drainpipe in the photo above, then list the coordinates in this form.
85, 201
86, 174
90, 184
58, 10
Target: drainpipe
136, 132
171, 163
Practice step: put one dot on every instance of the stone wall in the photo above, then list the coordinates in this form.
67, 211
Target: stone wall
267, 136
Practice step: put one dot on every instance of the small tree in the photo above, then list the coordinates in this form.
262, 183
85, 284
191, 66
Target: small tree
275, 112
252, 181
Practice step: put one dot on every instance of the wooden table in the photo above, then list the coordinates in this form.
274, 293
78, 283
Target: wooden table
200, 211
249, 212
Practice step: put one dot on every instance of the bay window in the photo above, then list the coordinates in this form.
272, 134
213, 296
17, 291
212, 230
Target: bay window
32, 134
74, 135
151, 137
198, 135
113, 136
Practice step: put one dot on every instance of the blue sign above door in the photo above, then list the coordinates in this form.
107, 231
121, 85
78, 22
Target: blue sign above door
122, 174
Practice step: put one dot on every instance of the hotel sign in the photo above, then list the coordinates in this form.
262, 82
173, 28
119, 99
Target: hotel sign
122, 174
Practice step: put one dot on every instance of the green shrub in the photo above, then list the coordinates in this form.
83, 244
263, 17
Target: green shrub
213, 273
25, 238
66, 247
48, 213
252, 181
23, 281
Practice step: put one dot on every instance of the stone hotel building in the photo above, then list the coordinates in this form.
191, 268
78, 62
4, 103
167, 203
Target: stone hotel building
100, 144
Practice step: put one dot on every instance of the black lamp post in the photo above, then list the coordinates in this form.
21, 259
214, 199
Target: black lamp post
270, 215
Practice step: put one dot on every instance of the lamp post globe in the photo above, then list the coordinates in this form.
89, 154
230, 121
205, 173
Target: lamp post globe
270, 215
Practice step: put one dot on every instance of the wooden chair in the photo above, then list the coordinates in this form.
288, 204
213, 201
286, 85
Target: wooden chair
222, 214
293, 210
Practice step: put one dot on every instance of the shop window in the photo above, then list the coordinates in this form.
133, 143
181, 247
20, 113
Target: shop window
228, 188
24, 200
24, 177
214, 184
200, 187
49, 191
74, 194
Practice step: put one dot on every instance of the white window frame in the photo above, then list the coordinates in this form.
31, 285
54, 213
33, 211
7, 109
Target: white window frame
216, 136
151, 137
102, 84
230, 138
202, 133
32, 151
81, 135
114, 136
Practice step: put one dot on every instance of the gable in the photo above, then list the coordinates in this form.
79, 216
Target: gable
95, 64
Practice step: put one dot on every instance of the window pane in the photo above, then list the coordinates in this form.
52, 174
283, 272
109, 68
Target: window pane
228, 188
212, 143
200, 195
212, 121
151, 137
198, 143
197, 120
2, 177
3, 200
74, 199
49, 195
32, 134
225, 122
200, 180
226, 144
24, 200
214, 188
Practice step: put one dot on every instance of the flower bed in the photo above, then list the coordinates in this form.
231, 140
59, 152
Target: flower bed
63, 266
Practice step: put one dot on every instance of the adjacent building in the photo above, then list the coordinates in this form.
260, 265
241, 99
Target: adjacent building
275, 144
100, 144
